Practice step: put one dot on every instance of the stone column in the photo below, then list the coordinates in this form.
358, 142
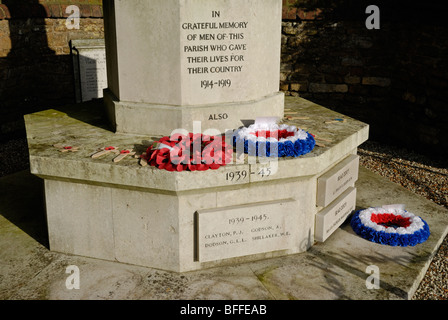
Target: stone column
173, 62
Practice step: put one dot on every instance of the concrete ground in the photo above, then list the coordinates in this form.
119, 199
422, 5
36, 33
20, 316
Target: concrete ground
336, 269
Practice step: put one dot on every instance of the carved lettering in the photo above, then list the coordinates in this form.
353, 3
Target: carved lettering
223, 37
220, 116
238, 231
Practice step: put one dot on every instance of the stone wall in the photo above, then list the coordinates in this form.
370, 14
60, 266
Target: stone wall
394, 78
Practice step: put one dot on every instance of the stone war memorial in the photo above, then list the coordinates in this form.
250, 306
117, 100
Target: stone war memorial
193, 158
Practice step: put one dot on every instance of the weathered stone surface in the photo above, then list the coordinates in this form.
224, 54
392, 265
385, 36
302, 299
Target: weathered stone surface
70, 125
88, 228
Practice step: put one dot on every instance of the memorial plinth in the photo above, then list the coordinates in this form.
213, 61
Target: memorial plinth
183, 221
172, 62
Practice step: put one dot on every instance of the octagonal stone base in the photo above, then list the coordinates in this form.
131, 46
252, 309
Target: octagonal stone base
182, 221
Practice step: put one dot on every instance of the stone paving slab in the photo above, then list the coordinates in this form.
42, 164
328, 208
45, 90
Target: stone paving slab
335, 269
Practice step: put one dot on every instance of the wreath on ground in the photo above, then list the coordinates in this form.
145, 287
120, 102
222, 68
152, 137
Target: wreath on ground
191, 152
394, 227
273, 140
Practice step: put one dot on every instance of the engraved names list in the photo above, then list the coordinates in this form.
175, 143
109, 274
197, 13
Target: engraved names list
247, 229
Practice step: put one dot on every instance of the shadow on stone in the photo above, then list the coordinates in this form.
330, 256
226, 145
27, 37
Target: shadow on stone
22, 203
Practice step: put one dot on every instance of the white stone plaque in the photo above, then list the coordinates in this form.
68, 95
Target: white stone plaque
333, 183
236, 231
89, 60
330, 218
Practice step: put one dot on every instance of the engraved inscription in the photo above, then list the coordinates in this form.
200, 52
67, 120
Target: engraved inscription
248, 229
337, 180
93, 73
330, 218
237, 175
215, 49
220, 116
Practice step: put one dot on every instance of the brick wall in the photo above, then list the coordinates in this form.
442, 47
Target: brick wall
394, 78
35, 64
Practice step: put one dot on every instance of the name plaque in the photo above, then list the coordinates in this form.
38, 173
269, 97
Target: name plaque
330, 218
333, 183
236, 231
90, 73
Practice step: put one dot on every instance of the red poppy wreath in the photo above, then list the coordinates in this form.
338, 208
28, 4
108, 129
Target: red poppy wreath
192, 152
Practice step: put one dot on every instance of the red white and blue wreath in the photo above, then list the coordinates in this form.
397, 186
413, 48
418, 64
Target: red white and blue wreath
394, 227
273, 140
